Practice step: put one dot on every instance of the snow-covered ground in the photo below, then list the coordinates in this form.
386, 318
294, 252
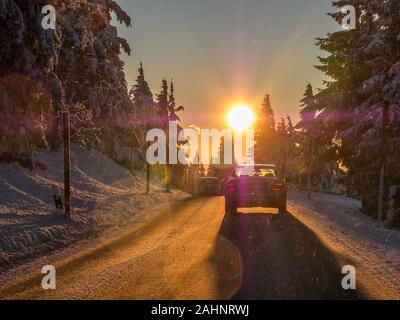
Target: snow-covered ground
338, 221
105, 196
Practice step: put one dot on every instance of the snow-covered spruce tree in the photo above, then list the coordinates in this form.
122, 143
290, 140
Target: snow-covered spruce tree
362, 63
91, 71
30, 90
142, 98
265, 133
25, 109
178, 170
293, 153
317, 150
144, 106
307, 135
389, 21
290, 126
308, 109
281, 146
172, 107
162, 108
77, 66
286, 149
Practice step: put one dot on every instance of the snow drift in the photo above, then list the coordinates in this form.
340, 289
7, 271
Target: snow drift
104, 196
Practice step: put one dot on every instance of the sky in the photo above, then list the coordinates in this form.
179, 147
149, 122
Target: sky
219, 52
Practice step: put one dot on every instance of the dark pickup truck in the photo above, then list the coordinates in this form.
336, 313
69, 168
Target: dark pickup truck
255, 186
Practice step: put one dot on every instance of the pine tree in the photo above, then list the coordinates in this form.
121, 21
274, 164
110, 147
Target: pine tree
163, 105
77, 66
307, 136
265, 133
291, 152
143, 102
172, 104
290, 126
172, 108
281, 145
178, 170
363, 64
308, 108
25, 113
30, 90
317, 152
267, 114
91, 71
281, 128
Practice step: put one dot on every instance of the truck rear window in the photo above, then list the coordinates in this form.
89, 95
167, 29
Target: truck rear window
255, 171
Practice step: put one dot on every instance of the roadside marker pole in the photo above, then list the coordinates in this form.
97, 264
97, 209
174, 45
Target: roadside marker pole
382, 174
148, 166
310, 167
168, 160
67, 163
148, 174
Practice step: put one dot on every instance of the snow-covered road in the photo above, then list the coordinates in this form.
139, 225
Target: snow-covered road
182, 250
191, 250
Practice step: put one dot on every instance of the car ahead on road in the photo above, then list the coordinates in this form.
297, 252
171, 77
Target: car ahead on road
254, 186
209, 186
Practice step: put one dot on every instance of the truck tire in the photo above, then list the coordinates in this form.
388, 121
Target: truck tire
282, 209
230, 207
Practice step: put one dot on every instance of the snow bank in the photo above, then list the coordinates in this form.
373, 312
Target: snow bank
105, 196
338, 221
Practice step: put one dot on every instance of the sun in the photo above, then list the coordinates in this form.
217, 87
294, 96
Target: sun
241, 117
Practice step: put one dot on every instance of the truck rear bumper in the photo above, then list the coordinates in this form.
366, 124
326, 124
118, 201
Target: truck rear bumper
271, 201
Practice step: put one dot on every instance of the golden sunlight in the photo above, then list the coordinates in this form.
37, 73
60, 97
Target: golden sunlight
241, 117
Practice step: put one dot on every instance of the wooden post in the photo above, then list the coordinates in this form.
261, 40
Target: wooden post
132, 157
233, 146
148, 168
167, 174
67, 163
390, 218
285, 156
385, 123
309, 174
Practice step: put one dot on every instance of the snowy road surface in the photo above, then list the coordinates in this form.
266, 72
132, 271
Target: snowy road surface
191, 250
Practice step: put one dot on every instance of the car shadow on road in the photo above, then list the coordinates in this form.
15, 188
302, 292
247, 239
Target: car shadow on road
277, 257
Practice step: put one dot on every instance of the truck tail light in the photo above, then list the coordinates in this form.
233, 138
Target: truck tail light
231, 186
278, 186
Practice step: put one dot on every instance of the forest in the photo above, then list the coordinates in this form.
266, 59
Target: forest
348, 136
347, 140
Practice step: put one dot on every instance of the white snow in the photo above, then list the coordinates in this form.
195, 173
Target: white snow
338, 221
105, 196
